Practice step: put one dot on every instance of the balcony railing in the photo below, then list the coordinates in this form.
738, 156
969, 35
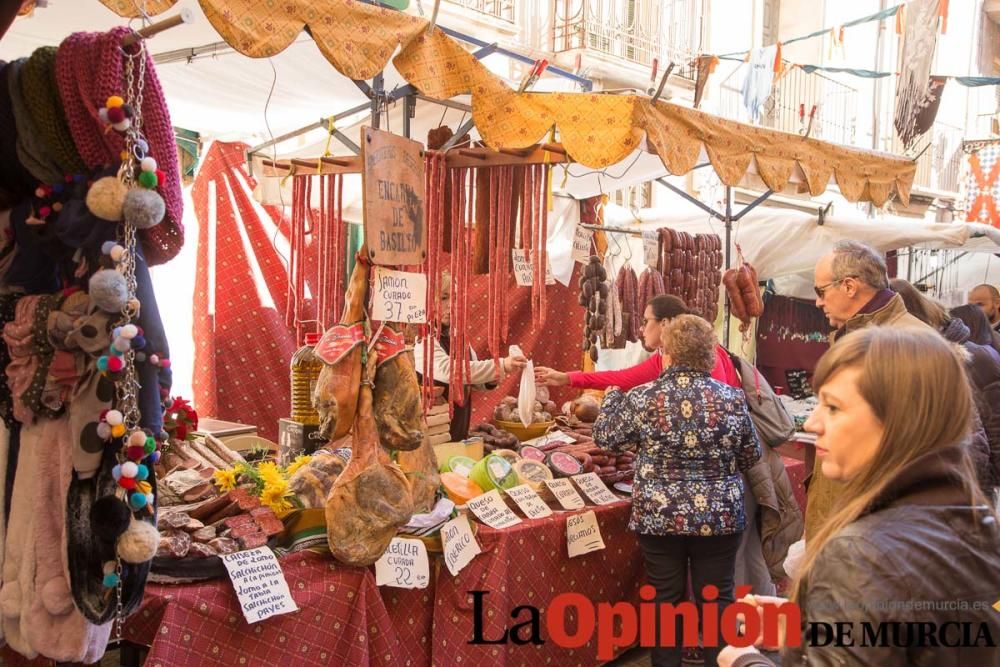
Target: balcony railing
498, 9
939, 166
634, 30
792, 99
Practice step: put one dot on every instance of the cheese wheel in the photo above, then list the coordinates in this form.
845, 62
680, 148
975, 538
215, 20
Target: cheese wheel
460, 464
493, 472
533, 473
509, 454
459, 489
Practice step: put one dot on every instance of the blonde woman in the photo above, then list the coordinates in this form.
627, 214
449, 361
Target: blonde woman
693, 437
911, 527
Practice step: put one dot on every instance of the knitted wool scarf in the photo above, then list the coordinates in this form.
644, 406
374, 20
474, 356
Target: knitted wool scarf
15, 181
90, 69
31, 150
42, 99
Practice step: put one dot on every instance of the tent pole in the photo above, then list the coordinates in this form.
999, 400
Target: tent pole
729, 233
376, 96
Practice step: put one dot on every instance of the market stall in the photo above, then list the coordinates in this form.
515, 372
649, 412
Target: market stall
526, 508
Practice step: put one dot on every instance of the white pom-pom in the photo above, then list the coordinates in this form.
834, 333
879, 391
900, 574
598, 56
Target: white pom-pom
103, 113
117, 253
121, 344
114, 417
138, 544
137, 439
144, 208
129, 469
148, 164
106, 198
108, 290
122, 125
107, 246
104, 431
129, 331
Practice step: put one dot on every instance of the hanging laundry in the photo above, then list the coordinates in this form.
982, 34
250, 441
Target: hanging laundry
982, 186
705, 68
757, 85
914, 91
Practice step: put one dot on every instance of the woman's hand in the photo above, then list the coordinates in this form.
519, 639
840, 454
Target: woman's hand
514, 363
551, 377
759, 602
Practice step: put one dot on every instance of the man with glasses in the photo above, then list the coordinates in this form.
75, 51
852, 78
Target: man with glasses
852, 288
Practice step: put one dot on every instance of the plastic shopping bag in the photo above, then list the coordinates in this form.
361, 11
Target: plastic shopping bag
526, 395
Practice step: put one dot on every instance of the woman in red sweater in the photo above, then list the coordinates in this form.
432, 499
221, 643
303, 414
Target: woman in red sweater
659, 310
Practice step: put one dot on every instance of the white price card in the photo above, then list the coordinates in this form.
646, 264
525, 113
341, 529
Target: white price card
530, 502
564, 492
524, 269
582, 239
458, 544
403, 565
492, 510
259, 584
651, 249
594, 488
583, 535
399, 296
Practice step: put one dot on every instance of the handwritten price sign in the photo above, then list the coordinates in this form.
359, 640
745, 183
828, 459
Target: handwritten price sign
398, 296
403, 565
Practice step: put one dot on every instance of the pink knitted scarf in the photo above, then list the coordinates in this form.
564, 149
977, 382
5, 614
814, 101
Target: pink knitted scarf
89, 70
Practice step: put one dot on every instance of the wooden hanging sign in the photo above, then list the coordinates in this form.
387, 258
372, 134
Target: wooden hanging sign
393, 185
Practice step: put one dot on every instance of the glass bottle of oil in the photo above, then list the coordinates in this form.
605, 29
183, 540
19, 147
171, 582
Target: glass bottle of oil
305, 368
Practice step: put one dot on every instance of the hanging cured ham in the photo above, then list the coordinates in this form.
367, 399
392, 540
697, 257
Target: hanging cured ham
399, 410
421, 469
336, 393
371, 499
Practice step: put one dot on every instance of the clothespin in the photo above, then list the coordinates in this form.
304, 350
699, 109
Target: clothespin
663, 83
652, 76
533, 76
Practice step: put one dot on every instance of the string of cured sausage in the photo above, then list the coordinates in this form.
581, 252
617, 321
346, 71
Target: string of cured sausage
301, 194
436, 178
650, 285
322, 242
491, 179
339, 248
628, 294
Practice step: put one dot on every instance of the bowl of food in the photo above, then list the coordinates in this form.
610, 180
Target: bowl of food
507, 417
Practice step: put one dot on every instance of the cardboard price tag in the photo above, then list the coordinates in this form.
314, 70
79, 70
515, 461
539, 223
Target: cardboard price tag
530, 502
259, 584
458, 544
582, 239
650, 248
594, 488
564, 492
523, 269
492, 510
403, 565
583, 535
399, 296
548, 438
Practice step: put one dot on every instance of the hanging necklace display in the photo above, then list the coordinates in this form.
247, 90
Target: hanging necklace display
130, 199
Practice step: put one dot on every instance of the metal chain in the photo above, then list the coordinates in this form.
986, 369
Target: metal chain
119, 606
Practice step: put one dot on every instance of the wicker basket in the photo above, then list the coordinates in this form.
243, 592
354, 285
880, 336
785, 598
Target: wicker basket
522, 432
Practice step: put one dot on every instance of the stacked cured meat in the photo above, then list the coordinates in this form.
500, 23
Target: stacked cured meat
692, 269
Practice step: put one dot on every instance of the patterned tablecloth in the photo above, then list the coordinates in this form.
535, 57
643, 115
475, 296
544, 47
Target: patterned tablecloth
341, 621
526, 564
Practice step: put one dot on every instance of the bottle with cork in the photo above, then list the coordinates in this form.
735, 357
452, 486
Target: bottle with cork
305, 369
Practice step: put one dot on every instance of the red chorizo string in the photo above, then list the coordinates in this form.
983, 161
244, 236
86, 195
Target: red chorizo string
466, 362
543, 243
493, 197
504, 253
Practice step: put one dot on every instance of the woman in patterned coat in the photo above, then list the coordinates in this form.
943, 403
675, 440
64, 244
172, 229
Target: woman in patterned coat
693, 437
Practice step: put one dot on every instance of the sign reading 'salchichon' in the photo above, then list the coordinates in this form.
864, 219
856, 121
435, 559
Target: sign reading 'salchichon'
393, 178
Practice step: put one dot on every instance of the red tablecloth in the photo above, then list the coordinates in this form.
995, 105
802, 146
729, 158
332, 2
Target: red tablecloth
341, 621
526, 564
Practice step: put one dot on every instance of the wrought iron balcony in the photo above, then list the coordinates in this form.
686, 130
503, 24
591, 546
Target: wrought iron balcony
498, 9
634, 30
793, 97
939, 167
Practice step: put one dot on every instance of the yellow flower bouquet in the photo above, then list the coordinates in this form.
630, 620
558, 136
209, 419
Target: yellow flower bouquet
266, 480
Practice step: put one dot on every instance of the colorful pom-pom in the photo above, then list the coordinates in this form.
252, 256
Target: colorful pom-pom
117, 252
142, 473
137, 439
129, 111
118, 431
161, 176
150, 446
58, 188
137, 500
114, 417
115, 364
164, 363
129, 331
110, 566
114, 101
123, 125
147, 179
103, 431
148, 164
140, 357
144, 487
116, 472
153, 458
79, 178
103, 113
135, 453
102, 364
127, 483
40, 192
57, 206
45, 211
122, 344
110, 580
123, 156
116, 115
129, 469
154, 359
